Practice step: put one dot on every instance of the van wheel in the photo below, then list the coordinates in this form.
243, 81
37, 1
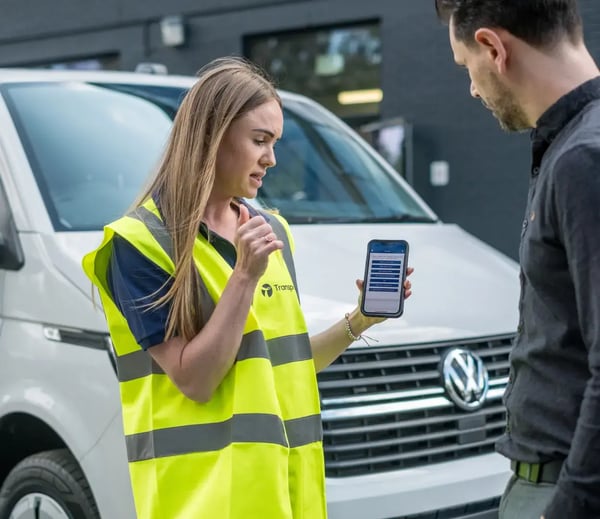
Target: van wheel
48, 484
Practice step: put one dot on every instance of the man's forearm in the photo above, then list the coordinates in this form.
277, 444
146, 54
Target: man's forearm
577, 493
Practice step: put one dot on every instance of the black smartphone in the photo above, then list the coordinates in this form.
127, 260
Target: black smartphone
385, 272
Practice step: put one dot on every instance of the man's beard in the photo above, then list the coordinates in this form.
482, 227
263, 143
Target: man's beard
503, 104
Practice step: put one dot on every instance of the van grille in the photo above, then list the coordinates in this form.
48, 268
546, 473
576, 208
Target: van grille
385, 408
487, 509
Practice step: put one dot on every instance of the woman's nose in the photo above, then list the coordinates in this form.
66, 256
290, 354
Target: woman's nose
269, 159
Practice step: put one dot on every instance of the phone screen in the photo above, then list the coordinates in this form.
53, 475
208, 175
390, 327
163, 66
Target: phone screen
384, 277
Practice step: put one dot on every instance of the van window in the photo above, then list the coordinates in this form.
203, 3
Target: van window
90, 148
93, 146
324, 174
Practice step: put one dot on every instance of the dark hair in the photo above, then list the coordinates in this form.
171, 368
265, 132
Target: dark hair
538, 22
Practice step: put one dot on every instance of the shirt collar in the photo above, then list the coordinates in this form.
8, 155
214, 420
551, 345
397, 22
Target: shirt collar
251, 210
235, 203
555, 118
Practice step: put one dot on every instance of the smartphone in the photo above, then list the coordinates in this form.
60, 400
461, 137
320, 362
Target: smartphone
385, 272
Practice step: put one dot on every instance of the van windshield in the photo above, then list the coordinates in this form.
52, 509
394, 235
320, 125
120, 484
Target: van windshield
92, 147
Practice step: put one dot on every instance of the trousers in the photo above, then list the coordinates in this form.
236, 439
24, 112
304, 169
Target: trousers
524, 500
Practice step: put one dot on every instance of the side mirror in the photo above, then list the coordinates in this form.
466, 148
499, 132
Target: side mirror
11, 254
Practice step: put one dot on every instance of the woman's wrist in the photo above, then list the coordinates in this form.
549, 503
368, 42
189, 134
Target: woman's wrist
358, 322
355, 324
243, 280
244, 276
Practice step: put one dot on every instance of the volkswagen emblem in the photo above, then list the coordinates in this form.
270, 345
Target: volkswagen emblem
465, 379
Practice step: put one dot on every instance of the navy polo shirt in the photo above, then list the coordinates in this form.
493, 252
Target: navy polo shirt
136, 282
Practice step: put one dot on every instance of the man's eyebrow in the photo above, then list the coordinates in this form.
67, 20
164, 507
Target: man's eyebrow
268, 132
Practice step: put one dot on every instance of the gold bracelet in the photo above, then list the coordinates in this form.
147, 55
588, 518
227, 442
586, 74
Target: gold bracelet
351, 335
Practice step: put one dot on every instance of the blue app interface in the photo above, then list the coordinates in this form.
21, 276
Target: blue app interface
384, 278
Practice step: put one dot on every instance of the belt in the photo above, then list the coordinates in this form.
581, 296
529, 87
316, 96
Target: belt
537, 472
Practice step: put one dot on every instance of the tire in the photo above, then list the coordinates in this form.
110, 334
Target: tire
49, 484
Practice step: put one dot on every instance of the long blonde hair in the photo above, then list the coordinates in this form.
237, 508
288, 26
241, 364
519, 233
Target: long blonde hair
227, 88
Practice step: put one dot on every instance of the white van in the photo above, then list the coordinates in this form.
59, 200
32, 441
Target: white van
409, 422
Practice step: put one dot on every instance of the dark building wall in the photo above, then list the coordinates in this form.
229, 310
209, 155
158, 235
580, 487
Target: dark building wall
488, 168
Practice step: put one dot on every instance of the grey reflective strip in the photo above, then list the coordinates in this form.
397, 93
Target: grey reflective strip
305, 430
291, 348
279, 230
136, 365
253, 346
175, 441
280, 350
241, 428
156, 227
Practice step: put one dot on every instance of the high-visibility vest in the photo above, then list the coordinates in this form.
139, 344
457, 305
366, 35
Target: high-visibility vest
254, 451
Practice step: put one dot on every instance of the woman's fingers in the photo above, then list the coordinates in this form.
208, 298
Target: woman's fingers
407, 284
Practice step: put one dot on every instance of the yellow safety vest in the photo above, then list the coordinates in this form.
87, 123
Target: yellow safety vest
254, 451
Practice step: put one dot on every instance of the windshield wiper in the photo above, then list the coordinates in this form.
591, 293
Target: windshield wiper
402, 217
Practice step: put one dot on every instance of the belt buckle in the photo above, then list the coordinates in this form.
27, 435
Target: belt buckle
532, 471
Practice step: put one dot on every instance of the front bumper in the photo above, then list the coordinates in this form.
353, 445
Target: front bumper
416, 491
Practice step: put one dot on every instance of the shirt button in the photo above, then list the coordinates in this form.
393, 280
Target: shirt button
536, 170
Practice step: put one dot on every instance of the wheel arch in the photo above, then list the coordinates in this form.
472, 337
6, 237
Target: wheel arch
21, 435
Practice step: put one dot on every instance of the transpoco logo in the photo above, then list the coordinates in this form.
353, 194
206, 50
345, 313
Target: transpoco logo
267, 290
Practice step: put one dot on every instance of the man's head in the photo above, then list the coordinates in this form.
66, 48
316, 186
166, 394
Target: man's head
540, 23
487, 35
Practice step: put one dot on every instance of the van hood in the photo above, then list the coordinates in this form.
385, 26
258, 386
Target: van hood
462, 288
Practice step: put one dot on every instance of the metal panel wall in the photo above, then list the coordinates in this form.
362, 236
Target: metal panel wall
488, 168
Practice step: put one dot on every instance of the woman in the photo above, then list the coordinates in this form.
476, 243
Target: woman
220, 401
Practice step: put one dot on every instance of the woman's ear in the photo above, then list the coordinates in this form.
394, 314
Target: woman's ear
491, 42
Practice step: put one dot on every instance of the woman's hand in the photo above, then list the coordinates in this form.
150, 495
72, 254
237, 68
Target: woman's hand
327, 345
360, 322
407, 294
254, 241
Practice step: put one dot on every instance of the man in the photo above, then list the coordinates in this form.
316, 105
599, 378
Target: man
529, 66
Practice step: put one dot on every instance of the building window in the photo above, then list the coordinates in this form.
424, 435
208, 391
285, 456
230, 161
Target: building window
340, 67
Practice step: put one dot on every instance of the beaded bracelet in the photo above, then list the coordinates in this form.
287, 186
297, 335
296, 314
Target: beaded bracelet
353, 337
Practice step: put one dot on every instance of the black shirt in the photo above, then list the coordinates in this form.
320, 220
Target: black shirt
553, 395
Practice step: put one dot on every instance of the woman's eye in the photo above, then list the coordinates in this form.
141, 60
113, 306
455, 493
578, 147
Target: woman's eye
259, 142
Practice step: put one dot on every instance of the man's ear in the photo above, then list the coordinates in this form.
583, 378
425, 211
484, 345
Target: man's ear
492, 43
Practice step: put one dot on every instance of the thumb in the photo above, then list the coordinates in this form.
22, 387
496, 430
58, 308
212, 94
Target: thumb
244, 215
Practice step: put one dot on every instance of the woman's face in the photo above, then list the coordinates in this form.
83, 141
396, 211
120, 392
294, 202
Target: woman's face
247, 150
